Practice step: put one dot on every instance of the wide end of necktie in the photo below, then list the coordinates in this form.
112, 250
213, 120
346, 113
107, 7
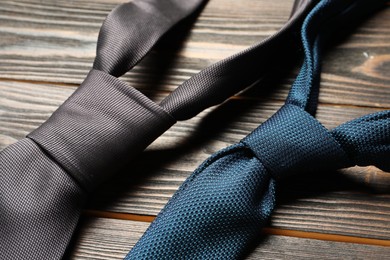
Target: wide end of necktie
226, 201
40, 203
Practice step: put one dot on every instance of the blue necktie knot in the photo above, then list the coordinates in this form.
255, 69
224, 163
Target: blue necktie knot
292, 141
220, 209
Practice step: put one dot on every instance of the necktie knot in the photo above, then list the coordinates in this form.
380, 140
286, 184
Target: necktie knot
292, 141
105, 119
220, 208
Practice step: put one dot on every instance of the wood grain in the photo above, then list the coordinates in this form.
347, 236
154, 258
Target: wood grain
47, 48
56, 42
145, 188
26, 105
309, 203
111, 239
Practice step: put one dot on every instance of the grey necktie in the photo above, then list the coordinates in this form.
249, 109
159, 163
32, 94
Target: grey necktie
45, 178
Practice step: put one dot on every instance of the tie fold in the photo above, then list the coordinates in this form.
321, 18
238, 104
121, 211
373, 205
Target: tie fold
102, 123
132, 29
293, 141
367, 140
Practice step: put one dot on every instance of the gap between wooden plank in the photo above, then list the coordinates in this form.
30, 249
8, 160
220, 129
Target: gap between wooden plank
319, 103
38, 82
167, 92
269, 231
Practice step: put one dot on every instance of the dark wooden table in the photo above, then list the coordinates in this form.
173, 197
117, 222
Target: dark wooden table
47, 48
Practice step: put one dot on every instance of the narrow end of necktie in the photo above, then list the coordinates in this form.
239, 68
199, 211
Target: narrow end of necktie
126, 36
367, 140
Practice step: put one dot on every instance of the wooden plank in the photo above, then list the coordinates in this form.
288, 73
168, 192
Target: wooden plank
26, 105
56, 41
64, 38
312, 202
111, 239
46, 44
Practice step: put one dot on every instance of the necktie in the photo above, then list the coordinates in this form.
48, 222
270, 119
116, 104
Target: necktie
46, 177
219, 211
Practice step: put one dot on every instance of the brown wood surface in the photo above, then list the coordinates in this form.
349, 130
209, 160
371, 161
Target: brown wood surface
47, 48
108, 238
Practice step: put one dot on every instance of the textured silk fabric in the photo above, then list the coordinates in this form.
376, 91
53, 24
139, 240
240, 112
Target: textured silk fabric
40, 212
215, 84
45, 178
109, 122
366, 140
126, 37
219, 211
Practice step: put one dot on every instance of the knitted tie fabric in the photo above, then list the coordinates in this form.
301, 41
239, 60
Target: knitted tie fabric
219, 211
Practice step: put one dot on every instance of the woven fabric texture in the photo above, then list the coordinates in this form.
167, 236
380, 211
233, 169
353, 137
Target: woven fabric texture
366, 139
101, 125
132, 29
106, 122
44, 179
219, 211
216, 83
43, 205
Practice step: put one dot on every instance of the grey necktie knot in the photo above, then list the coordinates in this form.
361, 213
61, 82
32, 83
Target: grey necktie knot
106, 119
294, 141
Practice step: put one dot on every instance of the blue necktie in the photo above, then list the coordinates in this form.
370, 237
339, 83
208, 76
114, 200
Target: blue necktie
220, 209
46, 177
